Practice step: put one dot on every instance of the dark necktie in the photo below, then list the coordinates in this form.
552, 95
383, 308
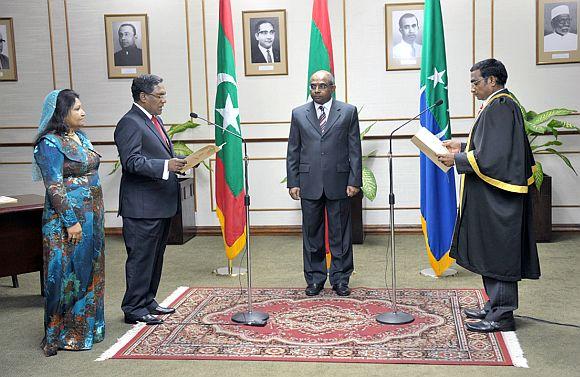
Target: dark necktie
159, 129
268, 56
322, 118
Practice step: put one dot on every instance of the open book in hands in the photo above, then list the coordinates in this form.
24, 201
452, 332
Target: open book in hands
199, 155
431, 146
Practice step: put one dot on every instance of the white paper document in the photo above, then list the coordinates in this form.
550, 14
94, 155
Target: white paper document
431, 146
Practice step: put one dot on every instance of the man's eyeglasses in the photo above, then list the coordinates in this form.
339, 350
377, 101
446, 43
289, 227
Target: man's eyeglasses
474, 83
2, 40
162, 96
319, 86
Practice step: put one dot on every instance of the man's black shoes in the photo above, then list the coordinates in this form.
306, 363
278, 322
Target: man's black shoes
491, 326
147, 319
313, 289
341, 289
475, 313
160, 310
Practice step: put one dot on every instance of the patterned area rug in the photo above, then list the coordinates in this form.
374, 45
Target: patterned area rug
326, 328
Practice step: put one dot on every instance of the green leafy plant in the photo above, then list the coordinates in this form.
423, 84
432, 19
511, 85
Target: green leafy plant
179, 147
546, 124
369, 187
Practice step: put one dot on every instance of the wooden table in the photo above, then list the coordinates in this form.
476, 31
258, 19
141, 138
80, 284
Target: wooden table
21, 237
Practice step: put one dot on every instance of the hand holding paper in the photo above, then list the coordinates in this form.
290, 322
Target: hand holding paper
199, 155
431, 146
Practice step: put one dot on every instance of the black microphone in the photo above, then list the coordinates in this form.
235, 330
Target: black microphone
437, 103
196, 116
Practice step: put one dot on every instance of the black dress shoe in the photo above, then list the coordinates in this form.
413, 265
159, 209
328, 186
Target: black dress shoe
491, 326
313, 289
341, 289
475, 313
147, 319
160, 310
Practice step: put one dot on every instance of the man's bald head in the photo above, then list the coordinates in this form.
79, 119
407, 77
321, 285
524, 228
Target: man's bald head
321, 86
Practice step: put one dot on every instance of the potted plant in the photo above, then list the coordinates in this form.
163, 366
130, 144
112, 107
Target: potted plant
545, 124
368, 190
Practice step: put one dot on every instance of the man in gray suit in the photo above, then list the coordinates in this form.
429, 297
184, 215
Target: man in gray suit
324, 169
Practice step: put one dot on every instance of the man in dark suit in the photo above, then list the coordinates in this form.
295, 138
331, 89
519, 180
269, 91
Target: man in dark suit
4, 60
265, 50
324, 169
130, 54
148, 197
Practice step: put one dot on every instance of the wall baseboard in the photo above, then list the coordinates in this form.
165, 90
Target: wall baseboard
285, 230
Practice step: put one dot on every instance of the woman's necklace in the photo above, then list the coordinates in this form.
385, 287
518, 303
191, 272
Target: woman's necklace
73, 135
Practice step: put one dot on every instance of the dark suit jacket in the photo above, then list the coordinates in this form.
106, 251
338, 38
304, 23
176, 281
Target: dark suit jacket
324, 163
143, 193
258, 57
132, 56
5, 61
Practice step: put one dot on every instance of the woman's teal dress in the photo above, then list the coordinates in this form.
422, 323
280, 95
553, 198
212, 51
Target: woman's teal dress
74, 275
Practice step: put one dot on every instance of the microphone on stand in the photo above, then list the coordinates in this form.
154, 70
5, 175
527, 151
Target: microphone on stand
196, 116
250, 317
396, 317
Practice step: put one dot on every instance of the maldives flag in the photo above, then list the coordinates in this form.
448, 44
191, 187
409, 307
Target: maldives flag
229, 171
438, 202
320, 57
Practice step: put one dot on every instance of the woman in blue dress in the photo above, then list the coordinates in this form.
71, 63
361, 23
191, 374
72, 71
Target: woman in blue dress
72, 227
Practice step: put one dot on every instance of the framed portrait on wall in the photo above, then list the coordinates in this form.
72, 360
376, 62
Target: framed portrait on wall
403, 35
265, 42
557, 31
7, 51
127, 44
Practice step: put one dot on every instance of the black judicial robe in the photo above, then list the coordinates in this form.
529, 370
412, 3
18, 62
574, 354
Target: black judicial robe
494, 234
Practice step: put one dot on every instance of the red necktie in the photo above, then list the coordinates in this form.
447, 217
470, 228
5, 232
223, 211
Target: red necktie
159, 129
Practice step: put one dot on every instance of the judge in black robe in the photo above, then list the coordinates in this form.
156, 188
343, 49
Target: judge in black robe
494, 234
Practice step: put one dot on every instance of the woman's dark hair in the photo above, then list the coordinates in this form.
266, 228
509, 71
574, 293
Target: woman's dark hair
65, 101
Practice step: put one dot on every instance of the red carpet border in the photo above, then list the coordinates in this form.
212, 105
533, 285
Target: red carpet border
326, 328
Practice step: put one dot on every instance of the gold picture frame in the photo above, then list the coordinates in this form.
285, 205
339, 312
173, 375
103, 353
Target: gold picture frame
127, 41
8, 71
403, 44
265, 28
557, 37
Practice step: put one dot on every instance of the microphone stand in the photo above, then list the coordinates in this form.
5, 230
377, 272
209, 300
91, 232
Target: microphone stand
249, 317
396, 317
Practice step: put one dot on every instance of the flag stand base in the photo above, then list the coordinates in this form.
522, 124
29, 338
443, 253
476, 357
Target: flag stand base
431, 273
225, 271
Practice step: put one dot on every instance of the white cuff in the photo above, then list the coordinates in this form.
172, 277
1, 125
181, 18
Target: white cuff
165, 170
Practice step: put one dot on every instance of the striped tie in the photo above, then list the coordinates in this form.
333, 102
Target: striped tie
322, 118
268, 57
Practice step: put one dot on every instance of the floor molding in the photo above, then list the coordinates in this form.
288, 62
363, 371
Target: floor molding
285, 230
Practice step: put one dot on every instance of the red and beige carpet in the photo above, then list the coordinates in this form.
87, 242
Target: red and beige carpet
326, 328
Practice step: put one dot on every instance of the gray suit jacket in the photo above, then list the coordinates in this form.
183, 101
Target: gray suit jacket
324, 163
143, 193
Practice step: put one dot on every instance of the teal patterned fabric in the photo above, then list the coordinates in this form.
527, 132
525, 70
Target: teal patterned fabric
74, 275
47, 112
